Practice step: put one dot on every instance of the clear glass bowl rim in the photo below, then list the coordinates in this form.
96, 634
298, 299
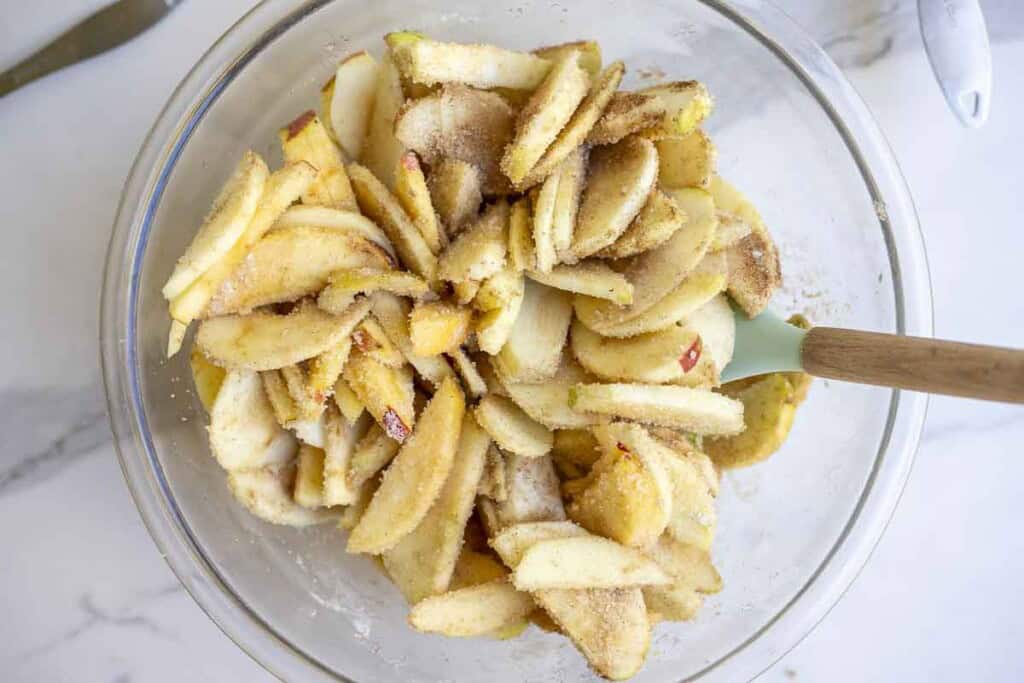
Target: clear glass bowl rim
121, 366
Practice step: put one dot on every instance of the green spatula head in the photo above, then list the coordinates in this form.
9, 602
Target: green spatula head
766, 343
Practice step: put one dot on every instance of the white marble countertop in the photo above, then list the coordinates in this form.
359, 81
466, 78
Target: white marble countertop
86, 596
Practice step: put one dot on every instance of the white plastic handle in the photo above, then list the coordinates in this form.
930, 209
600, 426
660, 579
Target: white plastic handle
956, 40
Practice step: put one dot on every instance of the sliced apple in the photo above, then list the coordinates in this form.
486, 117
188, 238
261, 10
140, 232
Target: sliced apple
353, 94
512, 542
309, 477
282, 188
456, 192
691, 294
465, 291
231, 213
381, 149
289, 264
474, 568
628, 493
347, 402
392, 313
716, 325
414, 196
175, 337
609, 626
462, 123
673, 355
621, 177
372, 454
533, 494
324, 370
694, 518
533, 351
498, 290
577, 446
301, 215
340, 440
754, 272
592, 278
545, 114
267, 493
572, 178
696, 410
575, 132
484, 66
472, 381
584, 562
673, 603
673, 109
521, 252
369, 337
206, 377
544, 254
386, 392
495, 326
687, 564
769, 406
511, 428
266, 341
345, 285
548, 402
281, 401
493, 482
656, 223
244, 432
351, 514
415, 477
437, 327
479, 251
309, 406
377, 202
687, 161
653, 275
473, 611
731, 229
421, 564
306, 139
590, 54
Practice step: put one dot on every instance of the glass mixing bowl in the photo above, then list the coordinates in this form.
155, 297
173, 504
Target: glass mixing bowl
793, 532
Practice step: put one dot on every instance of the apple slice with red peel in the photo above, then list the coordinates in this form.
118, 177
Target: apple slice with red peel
386, 392
415, 478
668, 356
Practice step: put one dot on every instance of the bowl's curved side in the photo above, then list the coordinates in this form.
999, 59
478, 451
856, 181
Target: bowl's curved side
911, 279
119, 359
122, 367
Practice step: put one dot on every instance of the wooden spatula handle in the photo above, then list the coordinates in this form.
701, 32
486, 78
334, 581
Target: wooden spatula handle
915, 363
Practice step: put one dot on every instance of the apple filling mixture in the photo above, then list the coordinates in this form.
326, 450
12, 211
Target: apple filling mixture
477, 319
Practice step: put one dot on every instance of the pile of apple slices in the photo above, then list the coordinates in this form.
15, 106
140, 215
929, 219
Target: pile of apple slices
478, 320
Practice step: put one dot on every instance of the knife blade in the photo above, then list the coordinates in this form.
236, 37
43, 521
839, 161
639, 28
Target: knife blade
106, 29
